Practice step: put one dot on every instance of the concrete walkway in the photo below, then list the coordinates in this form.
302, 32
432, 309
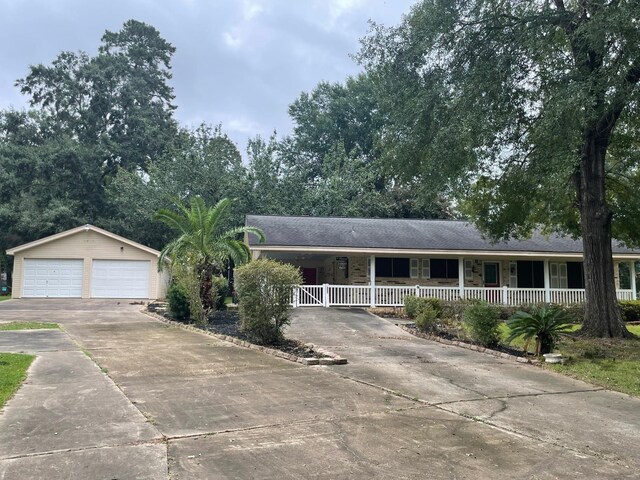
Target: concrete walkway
210, 409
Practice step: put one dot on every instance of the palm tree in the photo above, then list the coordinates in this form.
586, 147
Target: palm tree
202, 246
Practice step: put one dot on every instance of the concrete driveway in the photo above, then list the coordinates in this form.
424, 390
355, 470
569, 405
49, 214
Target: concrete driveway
180, 404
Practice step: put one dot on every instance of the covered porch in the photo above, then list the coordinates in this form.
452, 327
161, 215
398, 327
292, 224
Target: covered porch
384, 280
378, 262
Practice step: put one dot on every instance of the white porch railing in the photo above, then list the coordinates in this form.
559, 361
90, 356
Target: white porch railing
393, 296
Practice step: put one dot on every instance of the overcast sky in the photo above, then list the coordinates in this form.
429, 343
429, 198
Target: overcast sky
239, 62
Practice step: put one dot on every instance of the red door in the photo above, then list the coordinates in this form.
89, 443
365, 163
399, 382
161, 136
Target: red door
309, 276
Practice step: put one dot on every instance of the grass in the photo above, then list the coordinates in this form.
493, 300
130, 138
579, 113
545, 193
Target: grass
5, 297
13, 371
612, 364
27, 325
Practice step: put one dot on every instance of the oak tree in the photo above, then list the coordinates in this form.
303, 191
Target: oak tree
534, 104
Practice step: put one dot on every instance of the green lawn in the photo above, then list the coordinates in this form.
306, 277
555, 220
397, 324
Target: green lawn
613, 364
13, 371
5, 297
27, 325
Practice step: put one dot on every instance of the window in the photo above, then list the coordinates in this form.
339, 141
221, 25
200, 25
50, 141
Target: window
392, 267
530, 274
444, 268
575, 275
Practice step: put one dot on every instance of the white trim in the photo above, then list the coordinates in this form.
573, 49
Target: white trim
372, 281
513, 274
416, 252
73, 231
461, 268
632, 275
547, 282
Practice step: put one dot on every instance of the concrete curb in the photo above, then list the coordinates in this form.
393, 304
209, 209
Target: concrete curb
469, 346
330, 359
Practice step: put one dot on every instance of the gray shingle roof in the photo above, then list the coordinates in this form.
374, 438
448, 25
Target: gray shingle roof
399, 234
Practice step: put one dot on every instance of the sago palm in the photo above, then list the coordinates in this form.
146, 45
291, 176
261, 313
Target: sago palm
545, 324
202, 244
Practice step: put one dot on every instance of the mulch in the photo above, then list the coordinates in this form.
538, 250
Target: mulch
227, 322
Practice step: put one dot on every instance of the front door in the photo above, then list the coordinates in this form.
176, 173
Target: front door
309, 276
491, 274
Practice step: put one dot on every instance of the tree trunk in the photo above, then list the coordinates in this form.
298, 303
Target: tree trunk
602, 313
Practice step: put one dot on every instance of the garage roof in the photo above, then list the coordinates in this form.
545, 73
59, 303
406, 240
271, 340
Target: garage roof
73, 231
410, 234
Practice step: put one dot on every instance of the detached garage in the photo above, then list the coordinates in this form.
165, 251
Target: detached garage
87, 262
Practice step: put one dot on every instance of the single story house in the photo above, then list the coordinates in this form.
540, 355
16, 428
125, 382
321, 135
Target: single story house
371, 261
87, 262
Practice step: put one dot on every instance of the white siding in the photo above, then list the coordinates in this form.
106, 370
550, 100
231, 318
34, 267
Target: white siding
89, 246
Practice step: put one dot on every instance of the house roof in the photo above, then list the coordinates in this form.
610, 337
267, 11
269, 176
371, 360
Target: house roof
73, 231
400, 234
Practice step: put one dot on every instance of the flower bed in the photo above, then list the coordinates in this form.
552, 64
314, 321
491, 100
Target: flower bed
225, 325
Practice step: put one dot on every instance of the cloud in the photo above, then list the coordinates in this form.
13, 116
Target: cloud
232, 39
240, 63
251, 9
338, 8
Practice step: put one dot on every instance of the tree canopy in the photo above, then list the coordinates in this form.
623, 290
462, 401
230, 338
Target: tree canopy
528, 111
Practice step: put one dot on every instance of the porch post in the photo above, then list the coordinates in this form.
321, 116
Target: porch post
632, 274
547, 282
461, 277
372, 280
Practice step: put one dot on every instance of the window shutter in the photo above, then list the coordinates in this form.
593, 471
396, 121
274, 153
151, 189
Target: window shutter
513, 274
414, 271
562, 275
468, 269
426, 268
553, 275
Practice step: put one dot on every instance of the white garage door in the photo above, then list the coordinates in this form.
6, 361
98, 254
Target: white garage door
52, 278
120, 279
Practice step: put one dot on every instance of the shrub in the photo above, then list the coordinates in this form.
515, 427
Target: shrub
545, 324
189, 284
426, 318
411, 306
414, 305
630, 310
264, 289
178, 303
575, 311
221, 286
483, 323
454, 311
